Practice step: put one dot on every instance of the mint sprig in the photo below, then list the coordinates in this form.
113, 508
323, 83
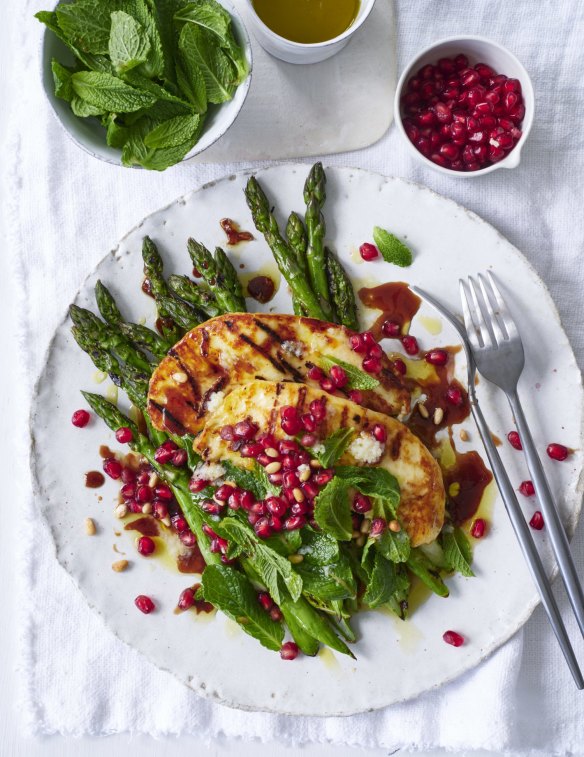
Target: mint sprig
392, 249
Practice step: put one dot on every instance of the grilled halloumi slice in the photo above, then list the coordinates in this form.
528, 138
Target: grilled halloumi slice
231, 350
421, 508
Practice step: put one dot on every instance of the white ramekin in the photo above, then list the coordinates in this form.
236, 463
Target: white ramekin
298, 52
478, 50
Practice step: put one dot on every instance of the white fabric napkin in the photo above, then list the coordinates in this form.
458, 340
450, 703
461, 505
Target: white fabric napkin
65, 210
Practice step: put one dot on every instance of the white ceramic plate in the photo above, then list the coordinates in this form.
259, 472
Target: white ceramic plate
395, 660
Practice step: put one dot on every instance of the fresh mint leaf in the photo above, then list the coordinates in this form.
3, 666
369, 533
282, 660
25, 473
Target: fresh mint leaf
457, 551
139, 81
109, 93
332, 511
86, 24
285, 543
93, 62
334, 446
358, 379
142, 11
62, 77
331, 582
398, 601
128, 43
391, 248
199, 46
374, 482
395, 547
317, 548
191, 82
232, 593
174, 132
83, 109
382, 582
425, 569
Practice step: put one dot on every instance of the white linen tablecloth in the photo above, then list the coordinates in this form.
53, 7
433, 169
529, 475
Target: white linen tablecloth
64, 210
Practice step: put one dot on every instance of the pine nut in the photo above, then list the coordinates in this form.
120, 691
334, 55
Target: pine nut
438, 416
423, 410
89, 527
304, 475
298, 495
361, 540
365, 526
315, 463
147, 508
153, 480
121, 511
119, 565
273, 467
180, 377
295, 559
464, 435
271, 452
394, 526
166, 521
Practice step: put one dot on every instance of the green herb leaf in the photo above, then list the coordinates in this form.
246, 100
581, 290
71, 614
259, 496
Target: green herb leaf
457, 551
62, 77
197, 45
128, 43
358, 379
382, 582
317, 548
332, 511
425, 569
174, 132
334, 446
374, 482
395, 547
192, 82
391, 248
86, 24
334, 581
109, 93
154, 65
233, 594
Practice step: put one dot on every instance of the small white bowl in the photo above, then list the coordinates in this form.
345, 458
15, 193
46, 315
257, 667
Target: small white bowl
89, 134
299, 52
477, 50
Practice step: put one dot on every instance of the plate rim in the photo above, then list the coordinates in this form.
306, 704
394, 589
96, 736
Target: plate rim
37, 491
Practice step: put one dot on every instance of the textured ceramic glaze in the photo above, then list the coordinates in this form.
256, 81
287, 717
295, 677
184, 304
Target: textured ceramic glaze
395, 660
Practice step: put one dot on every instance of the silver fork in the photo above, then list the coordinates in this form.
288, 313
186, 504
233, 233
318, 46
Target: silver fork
498, 354
509, 497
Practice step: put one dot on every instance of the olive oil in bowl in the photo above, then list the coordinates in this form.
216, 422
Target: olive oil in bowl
307, 21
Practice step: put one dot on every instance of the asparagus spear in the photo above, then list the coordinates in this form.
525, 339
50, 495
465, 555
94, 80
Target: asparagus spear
109, 338
145, 339
314, 197
199, 296
266, 224
342, 294
227, 277
176, 478
182, 313
153, 267
298, 241
214, 278
107, 306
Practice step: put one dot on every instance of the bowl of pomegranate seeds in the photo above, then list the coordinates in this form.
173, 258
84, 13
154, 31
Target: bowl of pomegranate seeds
465, 106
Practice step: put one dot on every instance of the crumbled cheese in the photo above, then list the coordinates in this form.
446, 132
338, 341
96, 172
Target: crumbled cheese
294, 348
209, 471
318, 449
366, 449
303, 469
214, 402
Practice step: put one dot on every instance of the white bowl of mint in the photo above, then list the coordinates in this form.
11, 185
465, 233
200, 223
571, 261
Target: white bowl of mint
145, 82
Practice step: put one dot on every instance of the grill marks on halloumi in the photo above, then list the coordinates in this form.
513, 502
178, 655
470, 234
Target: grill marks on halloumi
232, 350
421, 508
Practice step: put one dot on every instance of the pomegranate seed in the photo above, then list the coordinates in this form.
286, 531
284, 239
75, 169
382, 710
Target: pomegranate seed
298, 508
265, 601
339, 378
369, 340
309, 489
215, 546
557, 451
276, 506
224, 492
179, 523
143, 478
187, 538
391, 329
308, 440
211, 507
164, 454
127, 491
443, 113
128, 476
514, 440
159, 509
276, 614
461, 61
162, 491
322, 477
294, 522
208, 531
289, 650
145, 545
262, 528
375, 351
315, 373
198, 484
379, 432
368, 251
80, 418
378, 526
290, 480
454, 395
112, 467
327, 385
436, 357
318, 409
186, 599
275, 523
251, 449
309, 422
356, 395
527, 488
246, 500
477, 530
291, 426
245, 430
144, 494
400, 366
144, 604
124, 435
410, 344
179, 458
290, 462
453, 638
537, 521
372, 365
362, 504
357, 343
